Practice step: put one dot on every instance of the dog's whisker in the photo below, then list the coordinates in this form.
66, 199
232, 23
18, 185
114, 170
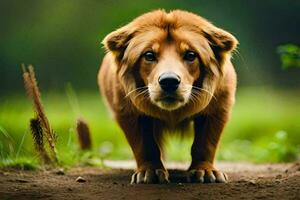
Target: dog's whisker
141, 93
135, 90
204, 90
194, 98
196, 90
137, 95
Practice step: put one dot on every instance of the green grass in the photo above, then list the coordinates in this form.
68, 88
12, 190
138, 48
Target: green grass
265, 127
21, 163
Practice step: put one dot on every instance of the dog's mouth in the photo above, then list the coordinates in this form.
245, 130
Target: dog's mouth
170, 98
169, 101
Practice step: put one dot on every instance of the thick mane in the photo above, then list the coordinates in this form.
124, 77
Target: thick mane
129, 42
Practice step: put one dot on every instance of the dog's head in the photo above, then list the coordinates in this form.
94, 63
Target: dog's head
170, 59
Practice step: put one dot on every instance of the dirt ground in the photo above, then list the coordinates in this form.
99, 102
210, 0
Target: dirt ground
247, 181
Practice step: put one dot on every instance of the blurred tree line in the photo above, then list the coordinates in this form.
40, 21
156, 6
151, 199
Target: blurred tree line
62, 38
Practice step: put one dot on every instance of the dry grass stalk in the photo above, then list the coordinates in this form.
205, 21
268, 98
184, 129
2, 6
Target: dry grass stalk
34, 94
38, 137
83, 133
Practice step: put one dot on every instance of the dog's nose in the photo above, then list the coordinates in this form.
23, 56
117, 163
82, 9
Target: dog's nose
169, 81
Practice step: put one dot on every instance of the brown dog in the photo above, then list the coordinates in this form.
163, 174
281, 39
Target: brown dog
165, 71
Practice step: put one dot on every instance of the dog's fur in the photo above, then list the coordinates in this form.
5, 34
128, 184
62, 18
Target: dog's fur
205, 95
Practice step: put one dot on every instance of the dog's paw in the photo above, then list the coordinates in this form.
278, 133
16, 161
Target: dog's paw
206, 173
150, 176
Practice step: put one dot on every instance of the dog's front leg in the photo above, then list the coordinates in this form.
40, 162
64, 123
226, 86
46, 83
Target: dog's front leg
143, 135
208, 130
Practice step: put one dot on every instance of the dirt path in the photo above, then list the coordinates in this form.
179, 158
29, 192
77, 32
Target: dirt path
247, 181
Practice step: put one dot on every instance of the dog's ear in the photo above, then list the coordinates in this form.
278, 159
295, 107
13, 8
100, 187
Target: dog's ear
220, 41
117, 41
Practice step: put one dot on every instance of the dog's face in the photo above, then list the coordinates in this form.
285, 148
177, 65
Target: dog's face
171, 59
169, 69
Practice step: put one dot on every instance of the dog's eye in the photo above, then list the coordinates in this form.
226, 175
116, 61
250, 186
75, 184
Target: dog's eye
150, 56
189, 56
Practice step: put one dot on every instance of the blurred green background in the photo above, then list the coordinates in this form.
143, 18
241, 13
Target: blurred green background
62, 39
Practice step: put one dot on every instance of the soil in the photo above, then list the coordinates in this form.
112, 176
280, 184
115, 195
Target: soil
247, 181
